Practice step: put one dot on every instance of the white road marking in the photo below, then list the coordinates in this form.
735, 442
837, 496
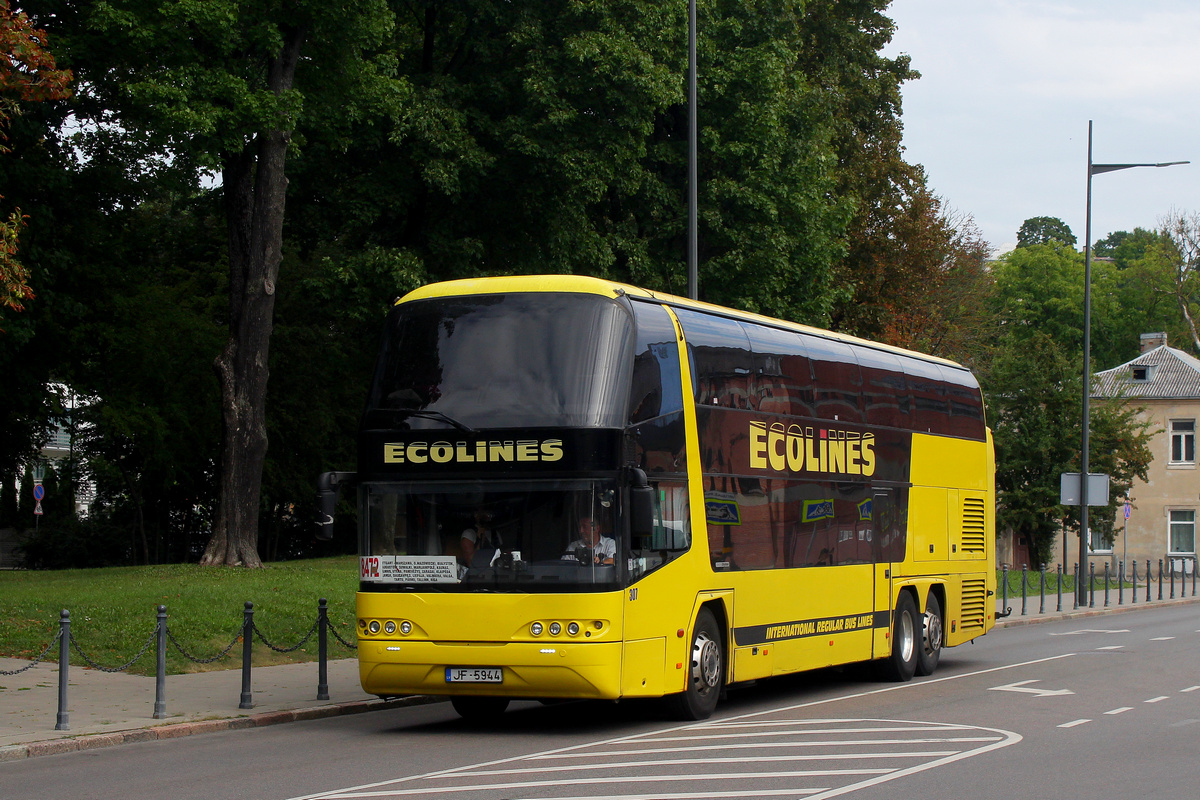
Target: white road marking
1091, 630
1158, 699
1021, 686
1162, 638
1190, 689
1112, 647
1001, 739
1073, 723
1120, 710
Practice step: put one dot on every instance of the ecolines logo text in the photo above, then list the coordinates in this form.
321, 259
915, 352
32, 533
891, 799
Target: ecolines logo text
798, 449
472, 452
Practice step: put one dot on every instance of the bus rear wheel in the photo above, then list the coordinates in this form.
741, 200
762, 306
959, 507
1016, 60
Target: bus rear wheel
901, 665
479, 708
930, 651
706, 671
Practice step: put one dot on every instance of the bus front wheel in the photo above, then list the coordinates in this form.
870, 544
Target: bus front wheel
929, 652
901, 665
706, 671
479, 708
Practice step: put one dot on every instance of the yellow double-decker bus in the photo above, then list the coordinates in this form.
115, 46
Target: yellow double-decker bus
571, 488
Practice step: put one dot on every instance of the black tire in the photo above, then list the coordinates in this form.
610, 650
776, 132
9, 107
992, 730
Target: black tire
479, 708
929, 652
706, 671
901, 665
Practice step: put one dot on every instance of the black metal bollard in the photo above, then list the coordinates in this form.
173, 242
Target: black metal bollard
322, 649
64, 668
1193, 576
1172, 570
1042, 591
1091, 585
1121, 583
1059, 569
1106, 584
1024, 587
160, 672
1133, 580
247, 700
1004, 589
1160, 579
1078, 573
1149, 575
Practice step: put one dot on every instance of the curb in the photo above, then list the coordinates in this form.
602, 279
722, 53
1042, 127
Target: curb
1080, 613
178, 730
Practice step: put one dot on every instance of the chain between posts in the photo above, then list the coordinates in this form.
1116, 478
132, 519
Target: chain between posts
41, 656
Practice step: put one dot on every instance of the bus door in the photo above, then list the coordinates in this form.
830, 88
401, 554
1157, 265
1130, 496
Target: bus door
889, 539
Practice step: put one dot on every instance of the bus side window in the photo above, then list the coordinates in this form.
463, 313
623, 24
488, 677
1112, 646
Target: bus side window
671, 536
721, 360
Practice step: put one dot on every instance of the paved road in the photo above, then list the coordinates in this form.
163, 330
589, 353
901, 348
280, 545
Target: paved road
1107, 703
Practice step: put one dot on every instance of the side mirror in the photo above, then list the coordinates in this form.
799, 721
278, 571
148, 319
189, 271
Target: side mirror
327, 497
641, 504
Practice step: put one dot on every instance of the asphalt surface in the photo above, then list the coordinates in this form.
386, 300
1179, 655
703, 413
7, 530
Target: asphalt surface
110, 709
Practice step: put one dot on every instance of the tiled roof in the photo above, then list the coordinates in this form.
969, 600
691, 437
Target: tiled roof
1171, 374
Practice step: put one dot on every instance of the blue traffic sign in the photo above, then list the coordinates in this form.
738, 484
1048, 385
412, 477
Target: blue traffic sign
39, 492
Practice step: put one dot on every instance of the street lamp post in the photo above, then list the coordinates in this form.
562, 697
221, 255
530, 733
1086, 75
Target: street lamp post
693, 246
1093, 169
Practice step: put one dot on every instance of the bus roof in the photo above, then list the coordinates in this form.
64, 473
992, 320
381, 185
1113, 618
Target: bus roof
607, 288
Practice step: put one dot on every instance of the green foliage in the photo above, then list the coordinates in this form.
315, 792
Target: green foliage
1044, 230
1033, 389
113, 610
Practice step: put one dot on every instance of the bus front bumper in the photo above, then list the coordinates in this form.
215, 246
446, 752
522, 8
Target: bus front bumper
534, 670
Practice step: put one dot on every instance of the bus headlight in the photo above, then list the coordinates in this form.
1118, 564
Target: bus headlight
555, 629
573, 628
406, 627
389, 627
373, 626
536, 629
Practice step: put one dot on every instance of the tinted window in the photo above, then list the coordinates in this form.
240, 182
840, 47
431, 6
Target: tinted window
518, 360
782, 377
721, 362
966, 403
931, 408
836, 379
657, 388
885, 392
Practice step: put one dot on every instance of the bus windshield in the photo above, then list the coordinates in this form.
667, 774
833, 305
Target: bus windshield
523, 536
505, 361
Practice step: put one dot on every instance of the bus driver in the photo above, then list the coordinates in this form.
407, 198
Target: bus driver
602, 548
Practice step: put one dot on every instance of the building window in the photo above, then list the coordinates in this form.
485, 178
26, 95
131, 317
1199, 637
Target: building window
1098, 542
1183, 441
1143, 372
1183, 531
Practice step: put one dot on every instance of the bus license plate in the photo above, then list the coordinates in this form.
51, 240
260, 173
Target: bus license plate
474, 675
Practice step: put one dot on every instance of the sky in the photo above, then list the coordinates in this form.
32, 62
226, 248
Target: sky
999, 117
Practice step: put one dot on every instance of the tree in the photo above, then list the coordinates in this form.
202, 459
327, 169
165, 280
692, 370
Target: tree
1181, 260
222, 87
1043, 230
27, 74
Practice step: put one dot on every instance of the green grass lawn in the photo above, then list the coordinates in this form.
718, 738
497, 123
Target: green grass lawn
114, 610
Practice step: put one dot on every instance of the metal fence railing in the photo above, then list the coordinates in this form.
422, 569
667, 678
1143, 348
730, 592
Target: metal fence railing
1098, 587
162, 636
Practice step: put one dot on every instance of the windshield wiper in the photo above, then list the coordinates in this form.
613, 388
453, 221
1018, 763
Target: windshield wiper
429, 414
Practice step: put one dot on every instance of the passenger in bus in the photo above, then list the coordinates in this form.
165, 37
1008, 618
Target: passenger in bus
601, 549
480, 543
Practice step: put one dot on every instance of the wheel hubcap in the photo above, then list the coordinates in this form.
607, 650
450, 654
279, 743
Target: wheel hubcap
905, 634
933, 633
706, 663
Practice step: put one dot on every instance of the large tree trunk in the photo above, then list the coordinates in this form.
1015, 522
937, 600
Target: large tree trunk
255, 186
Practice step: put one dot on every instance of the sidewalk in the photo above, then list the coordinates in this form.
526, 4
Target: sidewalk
108, 709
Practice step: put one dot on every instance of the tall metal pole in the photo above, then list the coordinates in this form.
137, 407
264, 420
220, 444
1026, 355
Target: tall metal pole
692, 235
1093, 169
1087, 378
